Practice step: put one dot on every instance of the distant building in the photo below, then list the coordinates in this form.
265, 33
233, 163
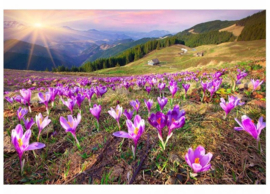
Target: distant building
199, 54
153, 62
184, 50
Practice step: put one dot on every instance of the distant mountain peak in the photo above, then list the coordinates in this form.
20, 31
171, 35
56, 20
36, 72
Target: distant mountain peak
92, 30
67, 27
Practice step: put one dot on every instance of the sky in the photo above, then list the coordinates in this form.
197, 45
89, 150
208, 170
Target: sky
123, 20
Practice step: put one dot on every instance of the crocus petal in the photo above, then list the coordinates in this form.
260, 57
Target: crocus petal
19, 130
199, 151
112, 113
70, 119
238, 128
26, 137
239, 123
35, 146
190, 155
137, 120
205, 159
196, 167
45, 122
130, 126
261, 125
206, 168
250, 127
122, 134
64, 123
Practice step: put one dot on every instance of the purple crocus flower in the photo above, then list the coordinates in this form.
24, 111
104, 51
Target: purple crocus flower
235, 100
21, 142
148, 89
79, 99
240, 76
128, 113
70, 103
198, 160
227, 107
71, 124
135, 130
213, 86
204, 87
162, 102
159, 121
249, 126
135, 105
175, 119
173, 89
95, 111
256, 83
28, 123
89, 94
100, 91
41, 123
19, 99
148, 104
9, 99
116, 114
53, 92
45, 98
26, 94
161, 86
186, 87
21, 112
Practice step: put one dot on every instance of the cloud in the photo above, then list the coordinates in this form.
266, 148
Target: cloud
139, 20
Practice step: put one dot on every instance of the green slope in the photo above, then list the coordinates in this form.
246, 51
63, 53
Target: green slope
172, 61
210, 26
116, 50
255, 27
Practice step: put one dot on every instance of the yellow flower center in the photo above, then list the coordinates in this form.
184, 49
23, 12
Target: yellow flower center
173, 119
159, 121
137, 106
117, 112
70, 124
20, 142
44, 96
20, 114
40, 121
136, 131
197, 160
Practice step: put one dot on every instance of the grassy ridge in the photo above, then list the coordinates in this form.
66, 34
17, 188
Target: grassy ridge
172, 61
210, 26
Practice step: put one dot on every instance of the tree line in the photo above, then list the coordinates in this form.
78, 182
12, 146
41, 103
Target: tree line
137, 52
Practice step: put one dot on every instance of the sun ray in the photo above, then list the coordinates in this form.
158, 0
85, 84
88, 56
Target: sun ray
47, 48
32, 49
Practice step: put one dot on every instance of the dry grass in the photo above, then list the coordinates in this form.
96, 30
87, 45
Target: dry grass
236, 30
104, 159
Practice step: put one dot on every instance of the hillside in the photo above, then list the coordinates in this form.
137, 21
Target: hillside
21, 47
214, 56
255, 27
210, 26
117, 49
38, 63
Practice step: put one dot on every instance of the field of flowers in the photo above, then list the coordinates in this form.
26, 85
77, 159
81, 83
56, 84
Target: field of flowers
202, 127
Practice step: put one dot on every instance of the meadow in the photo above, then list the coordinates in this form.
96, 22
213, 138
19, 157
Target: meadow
192, 115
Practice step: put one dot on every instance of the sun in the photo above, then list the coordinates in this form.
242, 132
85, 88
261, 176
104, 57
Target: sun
38, 25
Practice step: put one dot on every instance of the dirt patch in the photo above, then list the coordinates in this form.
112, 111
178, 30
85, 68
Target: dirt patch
236, 30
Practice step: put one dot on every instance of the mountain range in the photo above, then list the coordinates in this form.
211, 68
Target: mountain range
70, 47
